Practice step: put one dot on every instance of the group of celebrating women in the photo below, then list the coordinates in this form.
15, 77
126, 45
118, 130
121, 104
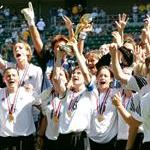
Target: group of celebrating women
99, 104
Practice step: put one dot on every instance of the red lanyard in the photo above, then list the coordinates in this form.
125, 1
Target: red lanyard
101, 108
55, 108
74, 101
11, 107
124, 100
24, 75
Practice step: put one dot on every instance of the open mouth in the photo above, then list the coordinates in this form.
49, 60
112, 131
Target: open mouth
75, 79
11, 82
18, 55
91, 66
102, 82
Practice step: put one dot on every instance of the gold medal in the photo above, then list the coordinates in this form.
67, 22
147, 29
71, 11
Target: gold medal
100, 117
11, 117
69, 113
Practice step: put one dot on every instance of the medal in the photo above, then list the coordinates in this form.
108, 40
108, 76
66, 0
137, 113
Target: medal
11, 107
11, 117
101, 108
100, 117
69, 113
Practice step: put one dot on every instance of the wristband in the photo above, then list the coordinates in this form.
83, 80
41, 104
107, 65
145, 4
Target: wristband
83, 35
31, 23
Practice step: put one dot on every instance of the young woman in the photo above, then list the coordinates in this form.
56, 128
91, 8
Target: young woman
103, 128
51, 109
77, 106
16, 119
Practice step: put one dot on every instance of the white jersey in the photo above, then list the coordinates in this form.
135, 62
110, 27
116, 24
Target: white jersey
145, 116
103, 131
135, 108
22, 124
51, 105
76, 114
136, 83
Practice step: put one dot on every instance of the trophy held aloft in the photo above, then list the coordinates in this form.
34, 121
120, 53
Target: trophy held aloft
85, 21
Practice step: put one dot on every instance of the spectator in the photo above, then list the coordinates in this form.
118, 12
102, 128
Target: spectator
41, 26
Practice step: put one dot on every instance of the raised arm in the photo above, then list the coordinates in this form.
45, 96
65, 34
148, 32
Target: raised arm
60, 86
145, 35
117, 70
121, 24
29, 16
82, 36
81, 62
69, 26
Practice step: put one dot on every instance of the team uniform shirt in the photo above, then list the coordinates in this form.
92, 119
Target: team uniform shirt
77, 111
145, 116
103, 131
22, 124
136, 83
135, 108
51, 105
135, 105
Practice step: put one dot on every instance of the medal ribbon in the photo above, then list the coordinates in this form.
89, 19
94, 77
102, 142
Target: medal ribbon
11, 108
101, 108
24, 75
124, 100
74, 100
56, 110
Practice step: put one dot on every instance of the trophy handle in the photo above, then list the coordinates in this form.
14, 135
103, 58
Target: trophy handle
84, 21
79, 28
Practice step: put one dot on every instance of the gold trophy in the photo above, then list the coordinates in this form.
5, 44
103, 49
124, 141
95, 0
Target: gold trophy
85, 20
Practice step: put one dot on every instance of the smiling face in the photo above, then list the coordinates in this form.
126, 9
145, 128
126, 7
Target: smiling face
11, 78
77, 77
91, 62
20, 52
104, 78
